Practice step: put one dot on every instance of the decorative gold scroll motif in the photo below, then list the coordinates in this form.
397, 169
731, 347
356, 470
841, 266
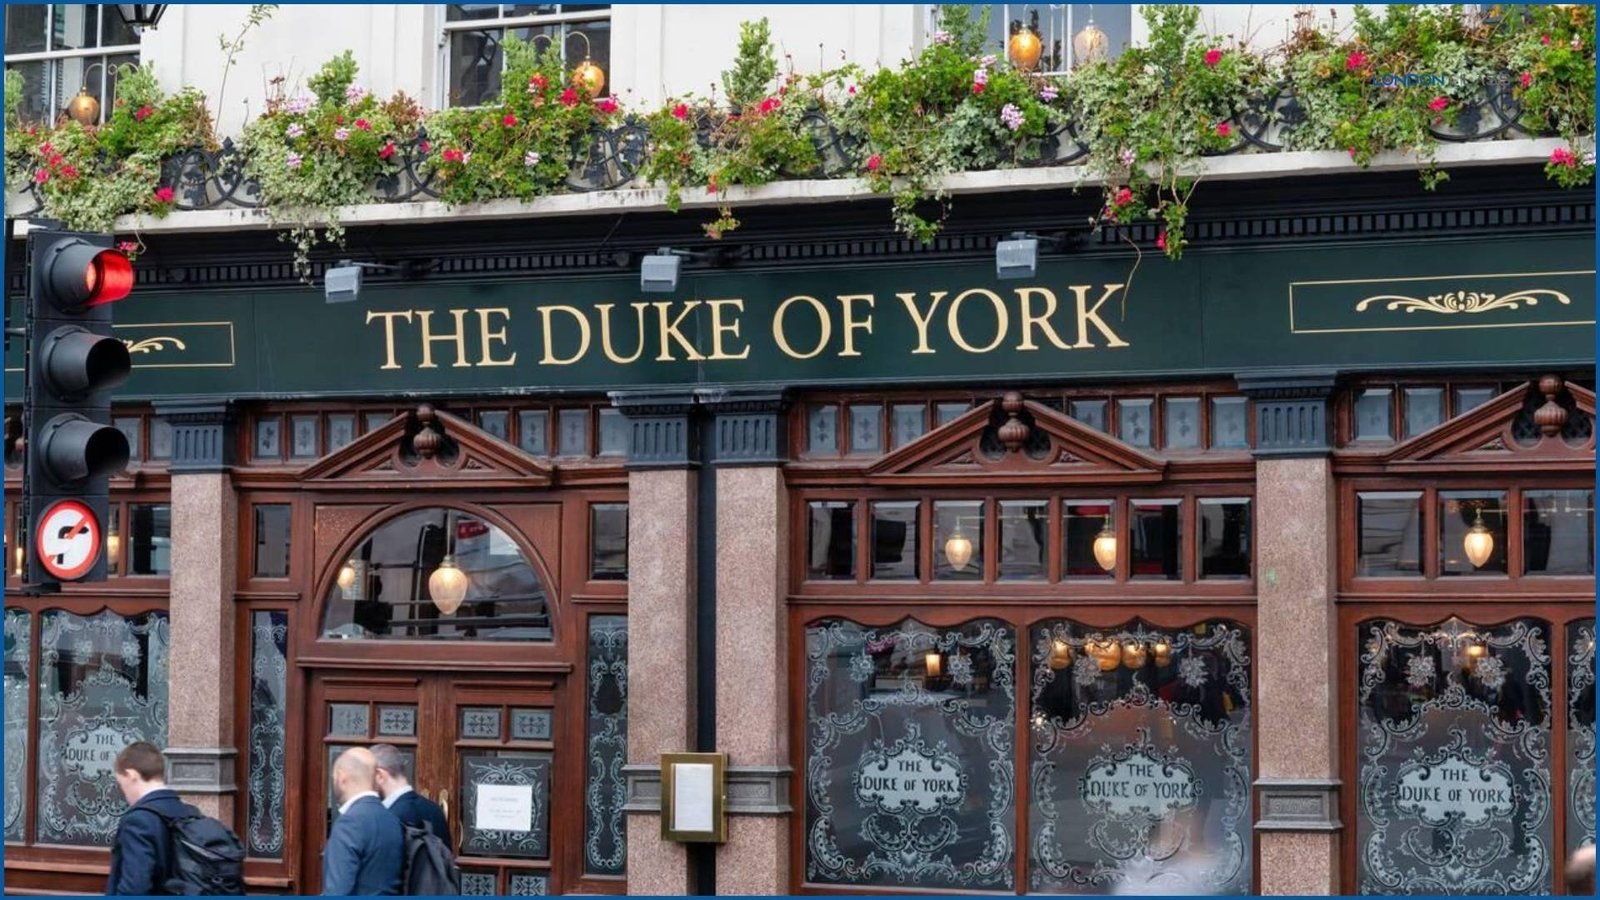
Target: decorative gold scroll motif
155, 344
1463, 302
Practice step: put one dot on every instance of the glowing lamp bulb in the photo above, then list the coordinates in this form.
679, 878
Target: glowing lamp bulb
958, 550
1479, 543
448, 586
1105, 547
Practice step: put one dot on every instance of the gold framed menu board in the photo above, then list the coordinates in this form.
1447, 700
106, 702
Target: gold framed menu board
694, 797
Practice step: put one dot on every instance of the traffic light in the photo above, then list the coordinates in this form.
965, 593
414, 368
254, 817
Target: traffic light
70, 448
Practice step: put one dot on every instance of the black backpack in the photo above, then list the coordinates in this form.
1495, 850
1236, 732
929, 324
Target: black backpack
429, 868
207, 859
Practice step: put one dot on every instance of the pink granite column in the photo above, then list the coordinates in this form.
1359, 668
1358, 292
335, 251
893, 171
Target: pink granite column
202, 760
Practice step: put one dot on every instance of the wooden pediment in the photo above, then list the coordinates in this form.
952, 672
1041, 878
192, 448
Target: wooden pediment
432, 446
1548, 425
1014, 437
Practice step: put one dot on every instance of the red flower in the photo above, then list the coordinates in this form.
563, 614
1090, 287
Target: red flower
142, 113
40, 176
1224, 129
1545, 40
451, 154
69, 171
1527, 79
874, 162
55, 159
1561, 156
426, 146
977, 87
387, 151
164, 195
46, 148
606, 104
538, 81
1351, 151
770, 104
1161, 241
569, 98
852, 90
363, 124
1356, 60
1123, 197
1438, 104
681, 111
508, 120
128, 247
1213, 57
339, 119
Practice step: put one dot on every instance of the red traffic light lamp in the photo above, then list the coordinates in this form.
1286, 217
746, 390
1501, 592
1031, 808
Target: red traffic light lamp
77, 275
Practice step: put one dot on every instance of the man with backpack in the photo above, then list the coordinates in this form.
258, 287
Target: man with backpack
430, 868
364, 853
163, 845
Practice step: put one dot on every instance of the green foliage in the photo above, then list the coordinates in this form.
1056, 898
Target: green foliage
754, 69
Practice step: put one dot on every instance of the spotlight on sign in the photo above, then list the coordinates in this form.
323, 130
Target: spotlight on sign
342, 283
1017, 257
658, 274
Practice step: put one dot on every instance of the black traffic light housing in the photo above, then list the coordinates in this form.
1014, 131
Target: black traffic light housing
70, 449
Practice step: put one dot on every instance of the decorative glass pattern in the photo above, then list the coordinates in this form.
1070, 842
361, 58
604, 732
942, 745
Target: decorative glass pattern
1139, 760
397, 721
341, 431
910, 747
269, 438
347, 720
372, 421
478, 884
19, 675
1453, 773
895, 525
531, 724
102, 686
527, 775
1133, 422
822, 429
1091, 413
1424, 409
533, 431
496, 422
267, 781
574, 432
613, 433
1372, 415
910, 422
946, 413
480, 723
605, 833
1389, 533
831, 540
1580, 734
866, 428
1182, 423
1024, 537
1230, 423
303, 436
1558, 532
523, 885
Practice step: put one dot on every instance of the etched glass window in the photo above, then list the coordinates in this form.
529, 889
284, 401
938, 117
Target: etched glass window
910, 743
1453, 732
949, 412
1558, 532
1140, 759
866, 424
438, 574
102, 686
1091, 413
1424, 409
605, 834
1580, 734
269, 709
1230, 423
910, 421
514, 787
533, 431
1182, 426
822, 429
19, 675
1134, 426
1389, 539
831, 540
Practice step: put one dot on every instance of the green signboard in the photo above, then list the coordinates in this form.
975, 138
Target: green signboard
1395, 305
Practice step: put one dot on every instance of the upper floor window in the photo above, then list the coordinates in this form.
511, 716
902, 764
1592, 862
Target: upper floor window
1070, 34
474, 35
61, 50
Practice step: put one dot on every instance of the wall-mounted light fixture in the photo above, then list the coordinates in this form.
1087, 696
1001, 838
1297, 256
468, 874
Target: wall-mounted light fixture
141, 15
1018, 255
659, 271
342, 283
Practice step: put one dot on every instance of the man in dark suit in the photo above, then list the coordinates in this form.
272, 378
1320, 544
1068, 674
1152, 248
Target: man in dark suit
141, 857
366, 845
410, 807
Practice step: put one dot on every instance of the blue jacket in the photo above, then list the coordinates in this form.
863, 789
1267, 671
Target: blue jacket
142, 854
418, 811
364, 852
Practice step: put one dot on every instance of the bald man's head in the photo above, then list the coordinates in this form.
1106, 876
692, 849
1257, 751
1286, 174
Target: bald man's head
353, 773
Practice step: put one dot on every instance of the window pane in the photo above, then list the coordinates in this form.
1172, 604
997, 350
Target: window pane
1230, 423
1470, 398
1091, 413
404, 587
19, 674
102, 686
958, 540
1389, 535
1146, 734
1424, 409
114, 71
822, 429
1580, 734
533, 431
341, 431
75, 26
397, 720
456, 12
1472, 521
866, 429
481, 723
34, 107
304, 436
1558, 532
1224, 538
372, 421
1133, 422
1024, 535
1182, 423
150, 552
949, 412
608, 542
26, 27
574, 432
1155, 529
535, 724
613, 433
269, 444
269, 706
130, 427
272, 541
475, 63
896, 527
911, 732
1083, 523
160, 438
522, 768
831, 547
605, 846
1372, 415
597, 51
1453, 753
910, 422
114, 32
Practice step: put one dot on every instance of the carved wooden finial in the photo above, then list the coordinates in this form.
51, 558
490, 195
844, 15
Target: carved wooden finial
1552, 416
1014, 433
428, 440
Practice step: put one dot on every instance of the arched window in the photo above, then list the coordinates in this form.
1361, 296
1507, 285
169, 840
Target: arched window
437, 574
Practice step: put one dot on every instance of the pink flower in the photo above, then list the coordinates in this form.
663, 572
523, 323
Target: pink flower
1438, 104
1127, 157
341, 134
606, 104
426, 146
1224, 129
1356, 60
569, 98
851, 90
1527, 79
1545, 40
681, 111
40, 176
1213, 57
1351, 151
46, 148
977, 87
69, 172
451, 154
1123, 197
874, 162
980, 76
142, 113
537, 82
164, 195
386, 151
531, 158
127, 247
1161, 241
1048, 93
770, 104
292, 160
508, 120
363, 124
1561, 156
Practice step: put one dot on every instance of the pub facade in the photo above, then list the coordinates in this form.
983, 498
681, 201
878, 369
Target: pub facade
1265, 570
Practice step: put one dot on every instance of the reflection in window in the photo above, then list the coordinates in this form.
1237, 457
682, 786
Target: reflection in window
1024, 535
1057, 25
1085, 523
958, 540
1372, 415
150, 552
831, 547
269, 707
272, 541
477, 55
1580, 734
437, 574
1140, 747
1424, 409
605, 828
1454, 769
608, 542
1224, 538
1389, 534
1558, 532
613, 433
1155, 532
102, 686
19, 632
895, 526
909, 742
1469, 521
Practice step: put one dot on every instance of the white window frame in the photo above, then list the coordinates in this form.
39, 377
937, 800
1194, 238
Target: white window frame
1003, 10
100, 54
446, 29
